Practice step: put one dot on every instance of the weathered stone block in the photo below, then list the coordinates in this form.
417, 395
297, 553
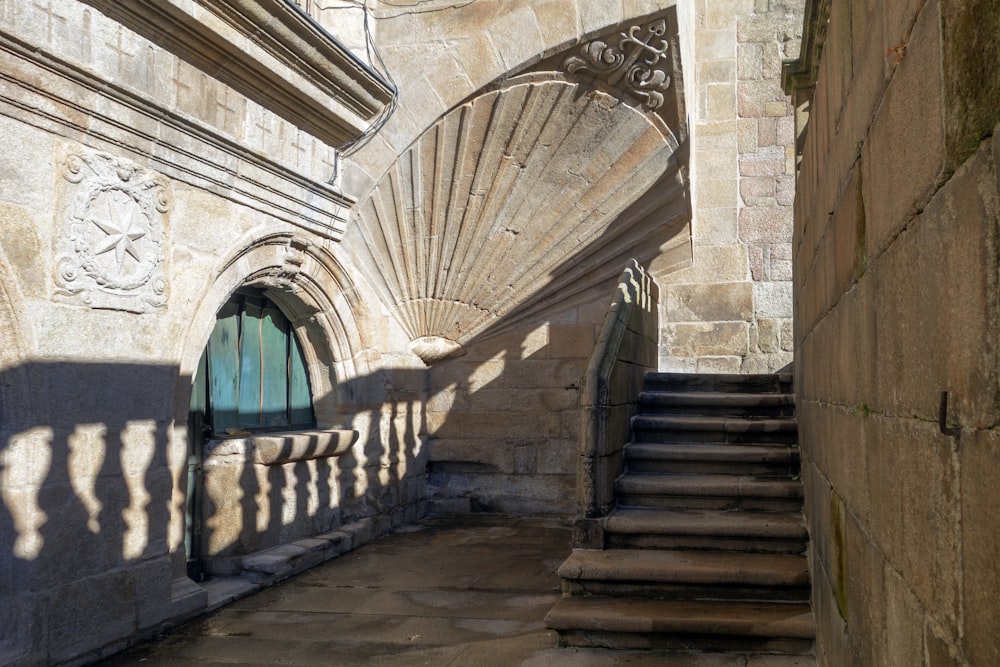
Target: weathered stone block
716, 226
904, 154
754, 98
832, 639
772, 299
770, 162
903, 620
571, 342
153, 592
518, 33
488, 425
954, 314
971, 79
748, 135
716, 193
110, 604
544, 373
716, 134
980, 468
715, 45
866, 603
757, 190
716, 71
697, 339
762, 224
768, 335
555, 457
730, 364
750, 61
556, 20
915, 510
723, 263
720, 101
708, 302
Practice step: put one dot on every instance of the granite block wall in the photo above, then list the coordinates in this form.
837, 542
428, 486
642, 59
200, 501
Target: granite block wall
895, 262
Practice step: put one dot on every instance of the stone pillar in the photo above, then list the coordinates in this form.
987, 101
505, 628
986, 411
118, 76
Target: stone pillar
730, 310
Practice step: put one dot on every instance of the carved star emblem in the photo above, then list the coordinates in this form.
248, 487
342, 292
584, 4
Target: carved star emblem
121, 234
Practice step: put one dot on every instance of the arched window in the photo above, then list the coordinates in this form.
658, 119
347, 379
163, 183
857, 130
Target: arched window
252, 375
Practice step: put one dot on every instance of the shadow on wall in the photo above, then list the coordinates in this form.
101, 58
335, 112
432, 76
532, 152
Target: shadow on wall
86, 491
92, 497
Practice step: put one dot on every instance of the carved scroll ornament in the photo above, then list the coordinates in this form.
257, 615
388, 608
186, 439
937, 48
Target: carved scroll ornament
636, 63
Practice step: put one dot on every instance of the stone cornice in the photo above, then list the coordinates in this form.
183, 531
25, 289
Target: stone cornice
801, 73
270, 51
69, 101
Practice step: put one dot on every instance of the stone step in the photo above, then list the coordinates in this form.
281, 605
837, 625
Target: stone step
780, 383
686, 575
721, 429
712, 458
717, 403
727, 530
709, 491
635, 623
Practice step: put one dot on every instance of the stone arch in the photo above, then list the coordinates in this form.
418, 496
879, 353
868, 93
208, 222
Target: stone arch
319, 298
316, 294
446, 76
534, 190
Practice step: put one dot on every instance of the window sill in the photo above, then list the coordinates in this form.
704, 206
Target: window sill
275, 448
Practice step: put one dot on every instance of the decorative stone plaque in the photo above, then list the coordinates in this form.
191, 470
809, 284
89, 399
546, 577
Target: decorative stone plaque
110, 252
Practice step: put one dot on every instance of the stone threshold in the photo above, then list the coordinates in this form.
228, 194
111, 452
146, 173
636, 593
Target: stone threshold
267, 567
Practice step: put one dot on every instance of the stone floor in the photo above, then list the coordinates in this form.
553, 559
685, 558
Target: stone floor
442, 594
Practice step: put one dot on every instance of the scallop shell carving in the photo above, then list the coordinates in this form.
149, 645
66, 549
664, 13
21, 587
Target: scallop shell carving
508, 197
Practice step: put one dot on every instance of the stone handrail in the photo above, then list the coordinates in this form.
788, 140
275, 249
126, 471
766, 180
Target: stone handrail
626, 349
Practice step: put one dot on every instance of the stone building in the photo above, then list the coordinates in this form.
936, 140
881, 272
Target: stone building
896, 328
277, 278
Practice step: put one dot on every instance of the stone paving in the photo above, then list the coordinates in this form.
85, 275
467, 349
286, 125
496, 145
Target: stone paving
471, 594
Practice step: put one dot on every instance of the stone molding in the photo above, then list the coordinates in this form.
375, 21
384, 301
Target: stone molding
62, 98
111, 251
798, 77
272, 52
802, 72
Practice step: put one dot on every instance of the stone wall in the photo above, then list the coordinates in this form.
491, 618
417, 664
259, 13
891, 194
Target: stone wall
896, 253
151, 173
503, 420
136, 194
514, 182
731, 311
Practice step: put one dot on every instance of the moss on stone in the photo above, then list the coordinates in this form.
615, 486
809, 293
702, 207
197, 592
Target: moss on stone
972, 80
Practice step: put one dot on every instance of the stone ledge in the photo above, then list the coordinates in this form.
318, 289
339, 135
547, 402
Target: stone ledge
285, 446
110, 117
278, 448
269, 51
277, 563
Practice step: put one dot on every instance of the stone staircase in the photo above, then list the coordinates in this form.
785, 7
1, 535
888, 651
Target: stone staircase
705, 547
